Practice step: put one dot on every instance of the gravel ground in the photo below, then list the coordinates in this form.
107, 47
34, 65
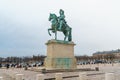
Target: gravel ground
9, 74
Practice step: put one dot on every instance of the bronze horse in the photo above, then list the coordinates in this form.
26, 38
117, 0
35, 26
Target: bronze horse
54, 28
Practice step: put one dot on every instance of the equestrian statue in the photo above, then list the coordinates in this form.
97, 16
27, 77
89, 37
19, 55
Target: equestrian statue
59, 24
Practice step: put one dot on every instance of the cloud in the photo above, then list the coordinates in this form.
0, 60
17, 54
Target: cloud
24, 24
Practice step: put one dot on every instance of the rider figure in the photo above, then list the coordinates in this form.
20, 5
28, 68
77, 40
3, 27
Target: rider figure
61, 19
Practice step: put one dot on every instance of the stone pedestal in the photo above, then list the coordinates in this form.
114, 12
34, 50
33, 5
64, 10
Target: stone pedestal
60, 55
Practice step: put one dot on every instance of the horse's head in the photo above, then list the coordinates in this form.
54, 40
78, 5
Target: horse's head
52, 16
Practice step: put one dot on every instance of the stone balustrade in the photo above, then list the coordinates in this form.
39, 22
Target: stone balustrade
109, 76
40, 77
19, 77
59, 76
1, 78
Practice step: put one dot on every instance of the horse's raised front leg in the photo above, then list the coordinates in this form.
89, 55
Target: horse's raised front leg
49, 31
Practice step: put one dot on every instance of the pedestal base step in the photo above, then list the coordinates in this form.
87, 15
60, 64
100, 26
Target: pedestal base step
66, 70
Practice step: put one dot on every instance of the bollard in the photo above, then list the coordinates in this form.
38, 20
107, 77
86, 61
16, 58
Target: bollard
82, 76
58, 76
26, 68
19, 77
109, 76
1, 78
40, 77
96, 68
13, 75
43, 71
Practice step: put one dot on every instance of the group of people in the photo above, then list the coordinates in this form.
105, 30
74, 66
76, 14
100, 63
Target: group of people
7, 65
20, 65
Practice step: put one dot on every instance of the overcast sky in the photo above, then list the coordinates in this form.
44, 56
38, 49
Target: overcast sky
24, 23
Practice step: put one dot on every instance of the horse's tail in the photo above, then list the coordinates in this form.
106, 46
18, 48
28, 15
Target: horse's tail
70, 35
